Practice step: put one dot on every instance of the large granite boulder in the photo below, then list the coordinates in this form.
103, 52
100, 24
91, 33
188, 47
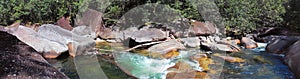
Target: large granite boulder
148, 35
292, 58
191, 42
50, 39
84, 31
280, 45
93, 19
20, 61
202, 28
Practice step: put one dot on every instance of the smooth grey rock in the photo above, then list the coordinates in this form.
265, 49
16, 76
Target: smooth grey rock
167, 46
191, 42
84, 31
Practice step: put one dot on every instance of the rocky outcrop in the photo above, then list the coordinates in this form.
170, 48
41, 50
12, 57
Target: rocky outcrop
50, 39
20, 61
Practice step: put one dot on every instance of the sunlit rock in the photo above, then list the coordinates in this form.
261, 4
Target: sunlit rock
166, 47
20, 61
51, 40
84, 31
149, 35
191, 42
248, 43
222, 47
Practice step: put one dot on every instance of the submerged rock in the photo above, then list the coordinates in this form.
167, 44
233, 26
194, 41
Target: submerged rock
229, 58
20, 61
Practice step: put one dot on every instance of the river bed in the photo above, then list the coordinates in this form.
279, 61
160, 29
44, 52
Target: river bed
258, 65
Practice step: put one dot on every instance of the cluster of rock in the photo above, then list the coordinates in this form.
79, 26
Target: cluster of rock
52, 40
284, 42
20, 61
288, 46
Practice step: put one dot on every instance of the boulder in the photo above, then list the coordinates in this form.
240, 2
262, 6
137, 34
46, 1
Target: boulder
166, 47
50, 39
216, 46
23, 62
191, 42
84, 31
202, 28
93, 19
81, 45
280, 46
64, 22
149, 35
292, 58
248, 43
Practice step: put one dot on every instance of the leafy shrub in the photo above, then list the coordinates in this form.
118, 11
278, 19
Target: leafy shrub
247, 15
36, 11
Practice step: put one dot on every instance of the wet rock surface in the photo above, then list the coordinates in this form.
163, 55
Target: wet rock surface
20, 61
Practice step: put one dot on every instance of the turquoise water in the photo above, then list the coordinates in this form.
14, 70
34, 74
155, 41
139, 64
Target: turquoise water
258, 65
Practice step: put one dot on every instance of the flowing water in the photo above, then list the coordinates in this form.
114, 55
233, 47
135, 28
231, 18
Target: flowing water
258, 65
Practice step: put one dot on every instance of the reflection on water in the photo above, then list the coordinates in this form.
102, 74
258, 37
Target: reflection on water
258, 65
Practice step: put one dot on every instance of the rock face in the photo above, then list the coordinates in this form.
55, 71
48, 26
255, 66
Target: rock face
23, 62
248, 43
64, 22
50, 39
201, 28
